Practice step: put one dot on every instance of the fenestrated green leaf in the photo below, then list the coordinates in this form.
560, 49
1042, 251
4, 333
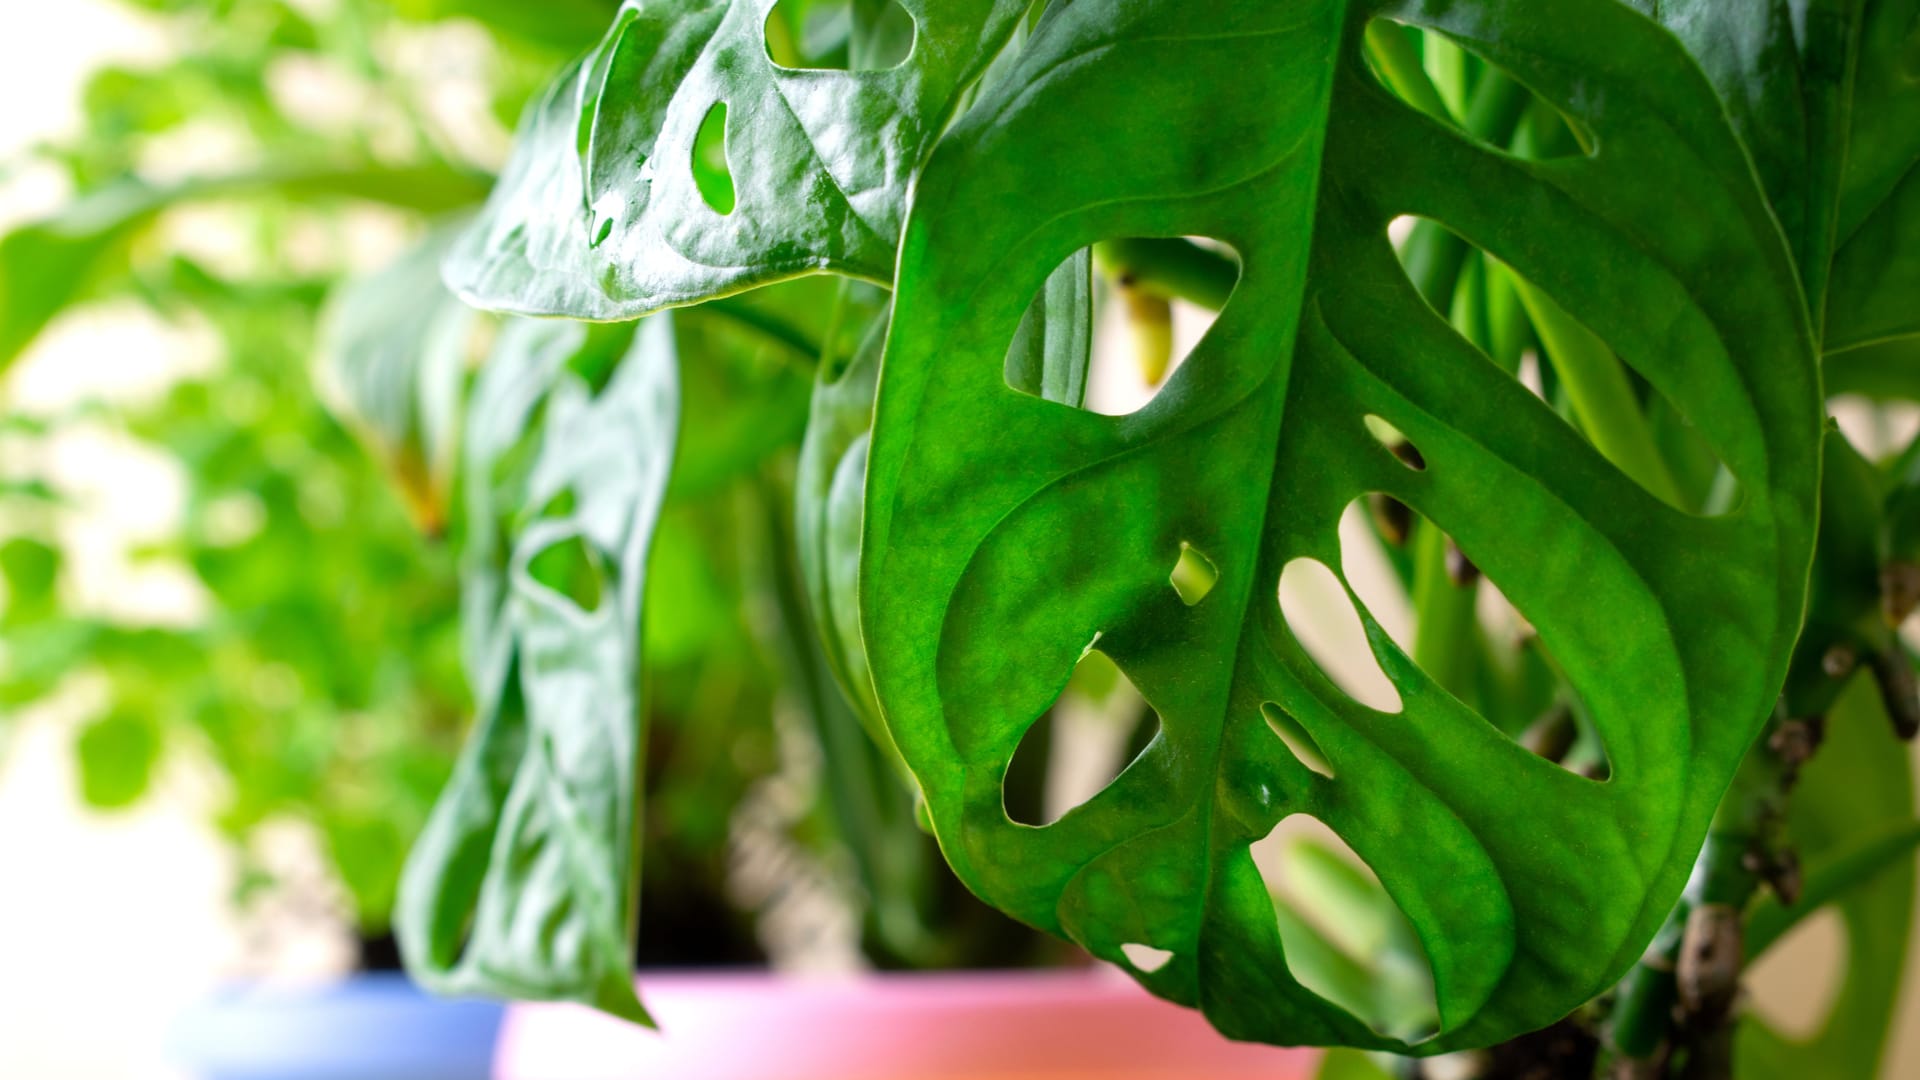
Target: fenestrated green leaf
600, 213
1856, 796
1003, 533
524, 881
392, 361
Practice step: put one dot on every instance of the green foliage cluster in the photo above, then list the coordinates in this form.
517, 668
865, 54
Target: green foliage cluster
324, 676
1555, 291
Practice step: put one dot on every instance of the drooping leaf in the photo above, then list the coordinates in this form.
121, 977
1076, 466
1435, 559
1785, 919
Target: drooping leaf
1855, 796
392, 361
601, 214
1004, 534
1341, 1064
524, 882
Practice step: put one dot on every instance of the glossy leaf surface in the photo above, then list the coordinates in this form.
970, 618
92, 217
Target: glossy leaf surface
601, 213
524, 881
1005, 535
1826, 97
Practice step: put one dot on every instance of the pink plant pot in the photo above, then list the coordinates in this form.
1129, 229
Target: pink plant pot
1091, 1025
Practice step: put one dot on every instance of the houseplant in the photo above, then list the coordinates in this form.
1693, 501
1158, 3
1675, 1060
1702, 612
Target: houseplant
318, 673
1669, 228
1676, 220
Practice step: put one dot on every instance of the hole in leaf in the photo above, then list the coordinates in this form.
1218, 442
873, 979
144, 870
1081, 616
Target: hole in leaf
1434, 74
1098, 726
1298, 740
572, 569
1194, 575
1575, 373
712, 173
1145, 957
1345, 938
1795, 984
1398, 445
1111, 325
839, 35
1321, 615
1461, 631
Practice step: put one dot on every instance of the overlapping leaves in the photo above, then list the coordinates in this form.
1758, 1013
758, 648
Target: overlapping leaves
1005, 534
1826, 97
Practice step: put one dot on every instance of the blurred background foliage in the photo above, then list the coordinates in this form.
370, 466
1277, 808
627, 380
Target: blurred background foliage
277, 187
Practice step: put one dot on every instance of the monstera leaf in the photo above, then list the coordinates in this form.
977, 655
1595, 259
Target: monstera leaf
524, 881
1877, 222
1006, 534
605, 212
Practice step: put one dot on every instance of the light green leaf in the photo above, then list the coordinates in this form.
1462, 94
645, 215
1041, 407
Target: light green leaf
1851, 812
600, 214
524, 881
1004, 532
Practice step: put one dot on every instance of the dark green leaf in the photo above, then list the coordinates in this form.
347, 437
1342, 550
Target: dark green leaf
392, 362
46, 266
1826, 96
524, 882
1004, 533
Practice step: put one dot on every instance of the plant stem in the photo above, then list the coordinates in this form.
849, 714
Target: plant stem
1170, 268
1603, 399
1399, 66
